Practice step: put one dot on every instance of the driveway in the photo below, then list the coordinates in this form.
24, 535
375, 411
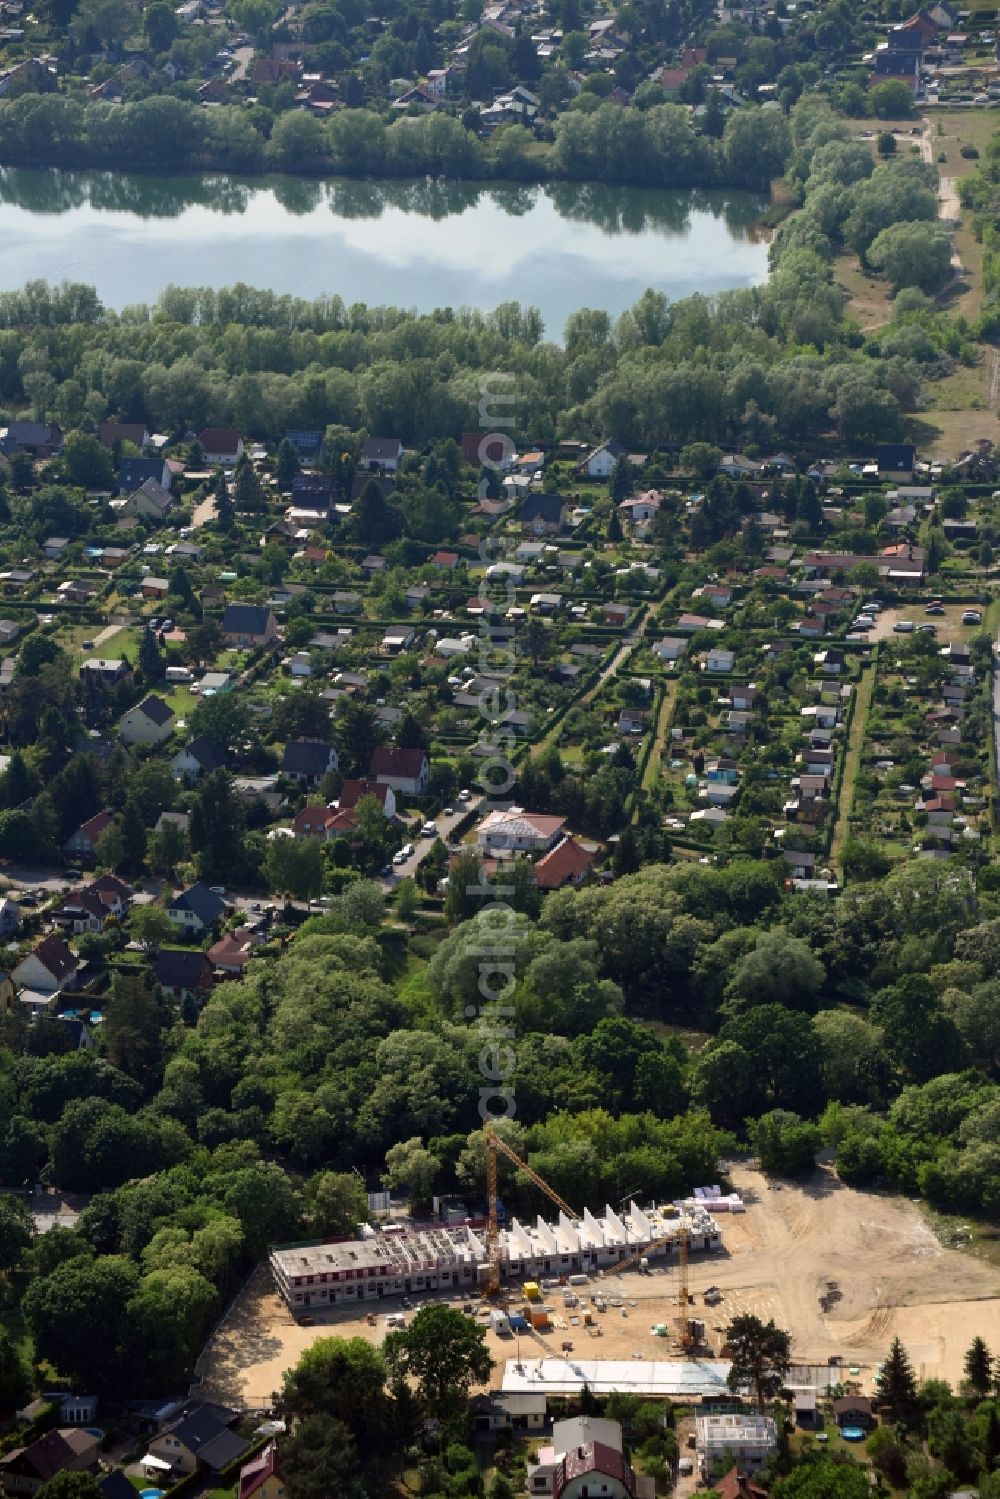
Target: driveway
422, 846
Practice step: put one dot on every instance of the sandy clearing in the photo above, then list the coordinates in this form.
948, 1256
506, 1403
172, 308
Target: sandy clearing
793, 1244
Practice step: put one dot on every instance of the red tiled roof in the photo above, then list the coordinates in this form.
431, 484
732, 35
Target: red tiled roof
255, 1473
352, 791
564, 862
596, 1457
56, 956
387, 761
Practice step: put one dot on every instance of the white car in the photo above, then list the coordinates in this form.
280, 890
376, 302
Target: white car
971, 617
904, 627
399, 857
863, 622
465, 796
428, 830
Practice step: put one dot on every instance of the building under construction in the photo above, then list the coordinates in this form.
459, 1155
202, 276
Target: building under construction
394, 1261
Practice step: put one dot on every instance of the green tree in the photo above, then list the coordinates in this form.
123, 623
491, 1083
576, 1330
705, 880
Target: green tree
17, 1230
785, 1144
69, 1485
979, 1368
337, 1203
294, 867
161, 25
895, 1384
916, 254
760, 1354
891, 100
150, 926
319, 1458
344, 1380
444, 1352
15, 1376
411, 1167
87, 461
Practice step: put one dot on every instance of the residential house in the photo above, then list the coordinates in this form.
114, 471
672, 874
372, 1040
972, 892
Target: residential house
134, 433
671, 648
586, 1458
405, 770
510, 1411
721, 1439
517, 831
542, 514
114, 894
133, 473
737, 1483
719, 660
568, 863
233, 951
151, 722
80, 911
83, 843
381, 455
633, 721
319, 820
895, 460
54, 547
307, 444
49, 967
155, 588
617, 613
198, 757
10, 916
151, 501
182, 974
352, 791
735, 466
855, 1410
307, 761
200, 1439
262, 1478
106, 673
68, 1449
600, 463
196, 910
222, 445
41, 439
249, 626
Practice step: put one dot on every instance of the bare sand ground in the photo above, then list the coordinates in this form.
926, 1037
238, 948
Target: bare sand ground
793, 1245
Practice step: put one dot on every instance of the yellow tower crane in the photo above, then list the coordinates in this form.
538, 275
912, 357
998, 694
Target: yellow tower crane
493, 1144
687, 1339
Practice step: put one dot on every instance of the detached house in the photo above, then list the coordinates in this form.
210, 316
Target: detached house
262, 1478
152, 500
152, 722
200, 1439
405, 770
307, 761
182, 975
248, 626
517, 831
70, 1449
222, 445
83, 843
542, 514
196, 910
381, 455
199, 757
48, 968
133, 473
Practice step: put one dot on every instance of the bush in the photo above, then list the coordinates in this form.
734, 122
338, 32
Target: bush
971, 153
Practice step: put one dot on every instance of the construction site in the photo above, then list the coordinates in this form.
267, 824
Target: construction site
843, 1271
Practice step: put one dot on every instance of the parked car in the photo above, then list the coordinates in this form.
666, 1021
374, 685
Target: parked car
465, 796
399, 857
972, 617
428, 830
904, 627
934, 609
926, 629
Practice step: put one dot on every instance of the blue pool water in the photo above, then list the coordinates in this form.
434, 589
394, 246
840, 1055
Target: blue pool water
151, 1493
852, 1433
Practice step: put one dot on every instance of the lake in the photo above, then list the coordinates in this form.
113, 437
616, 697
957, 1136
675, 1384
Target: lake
421, 244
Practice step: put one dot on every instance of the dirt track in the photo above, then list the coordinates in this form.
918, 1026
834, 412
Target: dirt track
892, 1275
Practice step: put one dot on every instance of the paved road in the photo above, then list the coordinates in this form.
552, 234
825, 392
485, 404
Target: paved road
422, 846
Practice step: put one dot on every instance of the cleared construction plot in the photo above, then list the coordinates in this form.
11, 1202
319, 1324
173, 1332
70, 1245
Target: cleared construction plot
844, 1271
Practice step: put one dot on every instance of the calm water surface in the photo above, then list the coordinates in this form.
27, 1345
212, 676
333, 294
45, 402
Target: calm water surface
421, 244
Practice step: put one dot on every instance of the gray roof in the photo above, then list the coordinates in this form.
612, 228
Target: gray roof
201, 902
156, 709
245, 619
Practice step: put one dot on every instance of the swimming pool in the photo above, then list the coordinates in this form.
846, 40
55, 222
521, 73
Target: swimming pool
852, 1433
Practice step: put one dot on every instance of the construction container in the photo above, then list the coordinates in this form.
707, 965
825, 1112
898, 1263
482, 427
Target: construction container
588, 1319
578, 1280
532, 1290
395, 1319
517, 1322
500, 1324
538, 1316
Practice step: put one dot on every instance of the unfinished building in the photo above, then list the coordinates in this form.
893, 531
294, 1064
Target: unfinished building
392, 1261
